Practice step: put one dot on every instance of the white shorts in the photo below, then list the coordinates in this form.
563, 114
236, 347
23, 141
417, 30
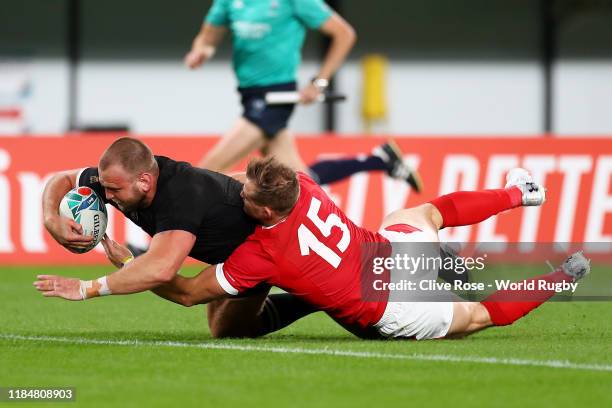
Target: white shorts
419, 320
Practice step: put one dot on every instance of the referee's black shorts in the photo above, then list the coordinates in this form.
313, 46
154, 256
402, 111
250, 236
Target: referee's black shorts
270, 119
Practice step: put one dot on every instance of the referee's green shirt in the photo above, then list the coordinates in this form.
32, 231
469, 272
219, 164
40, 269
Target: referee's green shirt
267, 36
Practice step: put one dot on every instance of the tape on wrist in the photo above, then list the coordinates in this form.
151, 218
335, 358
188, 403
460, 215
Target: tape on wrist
104, 290
84, 285
90, 289
127, 260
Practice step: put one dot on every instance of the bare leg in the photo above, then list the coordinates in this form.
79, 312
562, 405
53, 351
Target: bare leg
283, 148
256, 315
425, 217
468, 318
243, 138
236, 317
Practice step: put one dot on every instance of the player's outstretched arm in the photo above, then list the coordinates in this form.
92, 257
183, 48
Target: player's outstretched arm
159, 265
64, 230
199, 289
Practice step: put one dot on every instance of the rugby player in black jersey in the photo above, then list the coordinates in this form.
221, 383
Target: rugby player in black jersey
188, 212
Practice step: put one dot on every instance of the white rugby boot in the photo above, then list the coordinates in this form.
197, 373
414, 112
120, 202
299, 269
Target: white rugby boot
534, 194
577, 266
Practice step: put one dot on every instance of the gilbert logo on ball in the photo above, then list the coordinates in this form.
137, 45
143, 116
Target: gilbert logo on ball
83, 205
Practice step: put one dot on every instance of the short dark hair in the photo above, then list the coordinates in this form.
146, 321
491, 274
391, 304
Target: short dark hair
276, 184
131, 154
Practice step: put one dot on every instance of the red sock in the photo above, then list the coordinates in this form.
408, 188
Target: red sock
505, 307
472, 207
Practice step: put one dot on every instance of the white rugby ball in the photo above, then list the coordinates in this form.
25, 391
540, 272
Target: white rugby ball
83, 205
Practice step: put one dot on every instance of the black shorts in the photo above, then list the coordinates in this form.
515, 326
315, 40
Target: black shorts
270, 119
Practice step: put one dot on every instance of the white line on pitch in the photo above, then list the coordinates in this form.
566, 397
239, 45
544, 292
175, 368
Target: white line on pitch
316, 351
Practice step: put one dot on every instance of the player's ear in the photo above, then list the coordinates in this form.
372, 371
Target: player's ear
145, 182
268, 213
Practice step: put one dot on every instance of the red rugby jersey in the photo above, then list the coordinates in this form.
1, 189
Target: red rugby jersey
316, 253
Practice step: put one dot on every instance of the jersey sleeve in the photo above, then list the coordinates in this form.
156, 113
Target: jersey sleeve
313, 13
218, 13
247, 267
88, 177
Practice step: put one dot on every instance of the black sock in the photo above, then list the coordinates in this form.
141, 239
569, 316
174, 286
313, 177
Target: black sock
328, 171
282, 309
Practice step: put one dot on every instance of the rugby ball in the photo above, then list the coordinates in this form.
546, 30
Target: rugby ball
83, 205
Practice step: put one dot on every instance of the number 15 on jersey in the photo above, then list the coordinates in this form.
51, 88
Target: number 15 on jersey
308, 240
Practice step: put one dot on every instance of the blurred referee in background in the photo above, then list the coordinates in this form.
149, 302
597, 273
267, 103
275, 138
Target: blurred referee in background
267, 43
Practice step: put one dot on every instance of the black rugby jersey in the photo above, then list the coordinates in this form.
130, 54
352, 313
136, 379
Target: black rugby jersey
202, 202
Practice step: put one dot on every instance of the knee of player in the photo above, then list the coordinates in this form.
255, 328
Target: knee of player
479, 315
468, 318
432, 215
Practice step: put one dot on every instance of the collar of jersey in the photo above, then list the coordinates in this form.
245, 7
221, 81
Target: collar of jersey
272, 226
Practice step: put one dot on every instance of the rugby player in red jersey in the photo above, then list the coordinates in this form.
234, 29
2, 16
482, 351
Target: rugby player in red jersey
307, 246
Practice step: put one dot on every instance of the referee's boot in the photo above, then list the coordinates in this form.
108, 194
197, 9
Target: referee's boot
397, 168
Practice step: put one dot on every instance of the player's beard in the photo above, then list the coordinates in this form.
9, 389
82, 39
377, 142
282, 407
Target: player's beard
135, 203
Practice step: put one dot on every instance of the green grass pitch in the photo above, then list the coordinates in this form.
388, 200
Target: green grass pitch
142, 351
